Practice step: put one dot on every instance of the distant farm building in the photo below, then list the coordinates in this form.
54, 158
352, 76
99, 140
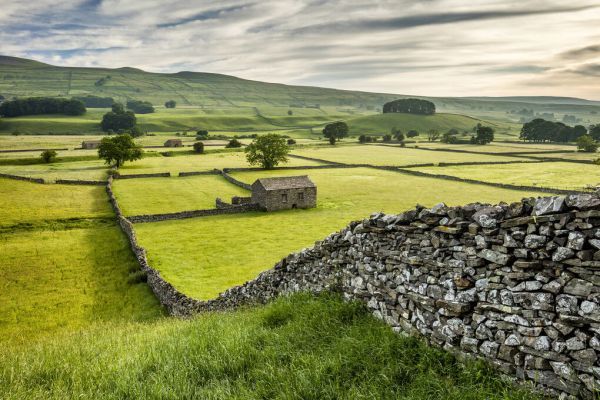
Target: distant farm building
90, 144
173, 143
283, 193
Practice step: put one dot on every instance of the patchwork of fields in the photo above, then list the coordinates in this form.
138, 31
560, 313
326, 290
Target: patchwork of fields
204, 256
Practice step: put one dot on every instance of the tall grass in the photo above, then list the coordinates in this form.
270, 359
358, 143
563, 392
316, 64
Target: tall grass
299, 347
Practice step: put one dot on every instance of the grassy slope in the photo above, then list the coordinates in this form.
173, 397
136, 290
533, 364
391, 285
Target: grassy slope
55, 281
382, 123
205, 256
64, 263
386, 155
294, 348
159, 195
32, 203
552, 175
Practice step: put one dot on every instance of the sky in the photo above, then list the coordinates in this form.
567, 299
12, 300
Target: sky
427, 47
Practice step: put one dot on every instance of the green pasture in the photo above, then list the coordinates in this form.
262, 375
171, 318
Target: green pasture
298, 347
496, 147
557, 175
195, 162
165, 195
204, 256
57, 281
25, 202
86, 170
391, 155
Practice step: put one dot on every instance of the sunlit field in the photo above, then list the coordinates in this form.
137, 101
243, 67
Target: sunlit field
205, 256
165, 195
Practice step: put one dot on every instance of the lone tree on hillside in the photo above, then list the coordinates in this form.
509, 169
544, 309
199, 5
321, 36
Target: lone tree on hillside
170, 104
587, 144
397, 134
48, 156
410, 106
433, 135
119, 149
267, 151
484, 135
335, 131
233, 144
118, 120
199, 147
412, 133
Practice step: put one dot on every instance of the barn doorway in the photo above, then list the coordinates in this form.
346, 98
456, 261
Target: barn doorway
294, 206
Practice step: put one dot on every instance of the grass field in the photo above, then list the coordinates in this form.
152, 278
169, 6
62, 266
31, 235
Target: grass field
552, 174
299, 347
204, 256
196, 162
58, 281
29, 202
90, 170
497, 147
64, 263
162, 195
387, 155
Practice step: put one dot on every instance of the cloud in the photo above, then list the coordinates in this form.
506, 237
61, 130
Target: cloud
433, 47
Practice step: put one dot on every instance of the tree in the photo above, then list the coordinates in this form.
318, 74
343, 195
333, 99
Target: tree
199, 147
484, 134
595, 132
118, 120
335, 131
362, 139
117, 108
387, 138
291, 142
170, 104
48, 156
433, 135
397, 134
410, 106
587, 144
74, 107
267, 151
290, 112
201, 134
140, 107
412, 133
119, 149
233, 143
449, 137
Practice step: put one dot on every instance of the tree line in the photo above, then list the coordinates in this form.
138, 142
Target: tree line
41, 105
140, 107
410, 106
541, 130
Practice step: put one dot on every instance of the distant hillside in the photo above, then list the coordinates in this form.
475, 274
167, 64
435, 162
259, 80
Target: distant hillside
22, 77
382, 123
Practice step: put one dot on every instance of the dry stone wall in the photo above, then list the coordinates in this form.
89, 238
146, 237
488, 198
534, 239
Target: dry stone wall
517, 285
22, 178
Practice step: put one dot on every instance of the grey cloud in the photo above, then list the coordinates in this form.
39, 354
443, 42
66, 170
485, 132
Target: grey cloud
205, 15
583, 52
414, 21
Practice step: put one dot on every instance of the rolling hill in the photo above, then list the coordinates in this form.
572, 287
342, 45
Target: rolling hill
229, 104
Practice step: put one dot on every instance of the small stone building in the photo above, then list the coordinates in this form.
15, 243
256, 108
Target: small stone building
283, 193
173, 143
90, 144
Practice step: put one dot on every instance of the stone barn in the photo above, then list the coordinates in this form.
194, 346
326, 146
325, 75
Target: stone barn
283, 193
90, 144
173, 143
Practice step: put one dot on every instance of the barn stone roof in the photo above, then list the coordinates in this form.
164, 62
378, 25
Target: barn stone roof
285, 182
